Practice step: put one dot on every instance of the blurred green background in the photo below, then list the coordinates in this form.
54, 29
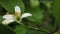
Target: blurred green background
45, 17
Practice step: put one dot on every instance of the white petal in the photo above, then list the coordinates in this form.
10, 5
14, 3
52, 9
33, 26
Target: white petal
8, 21
26, 15
8, 16
17, 9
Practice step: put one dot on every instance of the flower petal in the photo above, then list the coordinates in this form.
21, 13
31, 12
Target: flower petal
17, 10
8, 16
26, 15
8, 21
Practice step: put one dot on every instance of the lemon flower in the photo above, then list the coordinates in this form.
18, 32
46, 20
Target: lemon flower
9, 18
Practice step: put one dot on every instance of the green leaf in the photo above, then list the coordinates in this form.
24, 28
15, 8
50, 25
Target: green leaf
48, 28
2, 11
56, 11
10, 4
37, 15
20, 29
1, 19
35, 32
5, 30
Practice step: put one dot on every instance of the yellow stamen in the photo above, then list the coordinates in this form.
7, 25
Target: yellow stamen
17, 14
7, 13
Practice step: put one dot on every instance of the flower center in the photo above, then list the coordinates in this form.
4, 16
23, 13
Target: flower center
18, 19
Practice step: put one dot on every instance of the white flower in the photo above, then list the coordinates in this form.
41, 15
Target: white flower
9, 18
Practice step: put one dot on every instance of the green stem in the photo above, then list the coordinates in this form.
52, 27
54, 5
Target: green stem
33, 28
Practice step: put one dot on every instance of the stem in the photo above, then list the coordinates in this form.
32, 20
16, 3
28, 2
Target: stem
33, 28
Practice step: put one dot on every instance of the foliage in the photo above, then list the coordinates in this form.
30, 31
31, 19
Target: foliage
44, 20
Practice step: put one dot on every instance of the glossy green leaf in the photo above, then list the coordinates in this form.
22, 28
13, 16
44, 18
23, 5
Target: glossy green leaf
37, 15
10, 4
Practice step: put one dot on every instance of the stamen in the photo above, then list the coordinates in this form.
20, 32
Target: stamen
7, 13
